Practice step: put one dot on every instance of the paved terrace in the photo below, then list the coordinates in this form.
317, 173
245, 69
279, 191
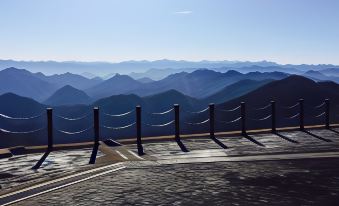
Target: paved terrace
290, 167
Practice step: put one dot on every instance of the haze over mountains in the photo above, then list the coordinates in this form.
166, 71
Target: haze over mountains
286, 92
127, 67
25, 93
198, 83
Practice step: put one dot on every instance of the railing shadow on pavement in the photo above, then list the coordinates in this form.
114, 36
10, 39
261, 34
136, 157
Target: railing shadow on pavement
285, 138
316, 136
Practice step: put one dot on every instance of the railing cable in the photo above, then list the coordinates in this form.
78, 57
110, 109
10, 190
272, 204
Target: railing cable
21, 118
261, 119
73, 118
76, 132
293, 116
229, 110
290, 107
320, 115
197, 123
160, 125
25, 132
263, 108
119, 115
161, 113
118, 128
198, 112
229, 122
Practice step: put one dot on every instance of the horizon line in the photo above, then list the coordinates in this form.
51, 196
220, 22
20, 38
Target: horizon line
154, 60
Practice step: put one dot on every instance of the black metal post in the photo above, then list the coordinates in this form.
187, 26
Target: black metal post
96, 125
49, 139
243, 117
274, 126
138, 126
211, 110
301, 114
327, 113
50, 128
176, 122
96, 135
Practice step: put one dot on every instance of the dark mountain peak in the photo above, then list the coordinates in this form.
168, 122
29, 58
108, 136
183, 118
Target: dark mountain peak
297, 78
232, 72
13, 70
205, 73
68, 88
68, 95
120, 77
166, 100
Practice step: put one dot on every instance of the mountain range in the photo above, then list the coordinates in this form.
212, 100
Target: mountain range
126, 67
198, 84
285, 92
201, 83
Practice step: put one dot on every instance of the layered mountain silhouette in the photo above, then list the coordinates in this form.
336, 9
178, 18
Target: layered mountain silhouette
145, 80
118, 84
331, 72
74, 80
288, 91
235, 90
197, 84
68, 95
319, 76
24, 83
285, 92
201, 83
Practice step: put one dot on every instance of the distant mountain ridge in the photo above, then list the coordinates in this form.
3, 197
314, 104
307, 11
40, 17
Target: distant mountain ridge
197, 84
75, 80
126, 67
201, 83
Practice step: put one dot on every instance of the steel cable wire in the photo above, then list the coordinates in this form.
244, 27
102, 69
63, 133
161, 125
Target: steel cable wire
261, 119
229, 110
73, 118
24, 132
119, 115
320, 115
262, 108
290, 107
198, 112
20, 118
161, 113
197, 123
160, 125
293, 116
229, 122
76, 132
118, 128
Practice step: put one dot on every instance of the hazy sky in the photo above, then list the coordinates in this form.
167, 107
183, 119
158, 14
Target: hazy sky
285, 31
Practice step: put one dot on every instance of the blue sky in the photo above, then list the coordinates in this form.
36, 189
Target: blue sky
284, 31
